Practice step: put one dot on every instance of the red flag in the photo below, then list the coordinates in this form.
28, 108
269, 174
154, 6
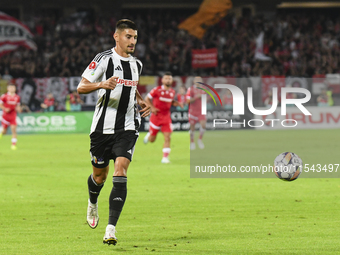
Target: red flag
204, 58
14, 34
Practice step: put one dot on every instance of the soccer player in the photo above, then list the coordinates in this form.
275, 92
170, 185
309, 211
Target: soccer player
195, 115
114, 74
161, 99
10, 105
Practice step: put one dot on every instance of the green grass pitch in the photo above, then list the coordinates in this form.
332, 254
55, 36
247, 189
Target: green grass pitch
43, 199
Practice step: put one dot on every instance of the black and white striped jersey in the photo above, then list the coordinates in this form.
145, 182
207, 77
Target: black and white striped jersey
116, 110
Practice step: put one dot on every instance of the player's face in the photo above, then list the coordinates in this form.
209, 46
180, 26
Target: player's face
126, 40
167, 80
197, 81
11, 89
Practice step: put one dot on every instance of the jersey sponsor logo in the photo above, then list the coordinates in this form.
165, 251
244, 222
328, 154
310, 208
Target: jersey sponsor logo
92, 65
164, 99
127, 82
118, 68
12, 102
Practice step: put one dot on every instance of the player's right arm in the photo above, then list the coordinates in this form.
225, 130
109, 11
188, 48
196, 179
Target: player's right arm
2, 107
85, 86
92, 76
148, 99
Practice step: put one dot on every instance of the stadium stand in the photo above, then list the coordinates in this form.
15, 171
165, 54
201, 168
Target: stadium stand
299, 45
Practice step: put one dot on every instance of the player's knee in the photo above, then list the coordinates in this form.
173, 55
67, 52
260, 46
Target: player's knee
99, 178
120, 170
121, 166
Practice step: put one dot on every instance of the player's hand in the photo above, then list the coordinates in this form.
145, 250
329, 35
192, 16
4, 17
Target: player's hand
154, 110
180, 104
7, 110
146, 109
109, 83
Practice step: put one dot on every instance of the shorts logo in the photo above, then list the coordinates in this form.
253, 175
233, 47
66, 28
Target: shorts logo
97, 160
92, 65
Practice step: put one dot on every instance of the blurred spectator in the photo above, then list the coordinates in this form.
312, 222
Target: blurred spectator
330, 97
49, 103
75, 101
299, 45
322, 99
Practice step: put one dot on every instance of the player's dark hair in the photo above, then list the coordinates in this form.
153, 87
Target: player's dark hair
125, 24
167, 73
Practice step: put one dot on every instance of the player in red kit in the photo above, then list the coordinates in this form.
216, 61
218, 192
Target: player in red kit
161, 99
193, 97
10, 105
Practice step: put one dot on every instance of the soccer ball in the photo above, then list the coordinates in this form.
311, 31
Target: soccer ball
288, 166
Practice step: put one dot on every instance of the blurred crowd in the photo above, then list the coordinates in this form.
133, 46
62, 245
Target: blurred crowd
299, 45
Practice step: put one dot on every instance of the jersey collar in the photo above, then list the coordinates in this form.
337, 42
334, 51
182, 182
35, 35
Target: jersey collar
119, 56
164, 87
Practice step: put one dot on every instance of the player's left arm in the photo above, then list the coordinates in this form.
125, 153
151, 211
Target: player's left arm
18, 108
2, 106
146, 109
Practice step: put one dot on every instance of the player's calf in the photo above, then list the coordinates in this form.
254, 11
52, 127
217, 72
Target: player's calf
92, 209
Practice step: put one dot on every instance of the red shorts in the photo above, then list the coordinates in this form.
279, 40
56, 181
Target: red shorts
196, 118
8, 120
162, 123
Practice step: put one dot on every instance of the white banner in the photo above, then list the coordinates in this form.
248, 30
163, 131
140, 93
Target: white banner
321, 118
14, 34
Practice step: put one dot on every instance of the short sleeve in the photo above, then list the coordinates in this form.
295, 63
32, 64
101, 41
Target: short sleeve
96, 68
2, 99
187, 95
152, 93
